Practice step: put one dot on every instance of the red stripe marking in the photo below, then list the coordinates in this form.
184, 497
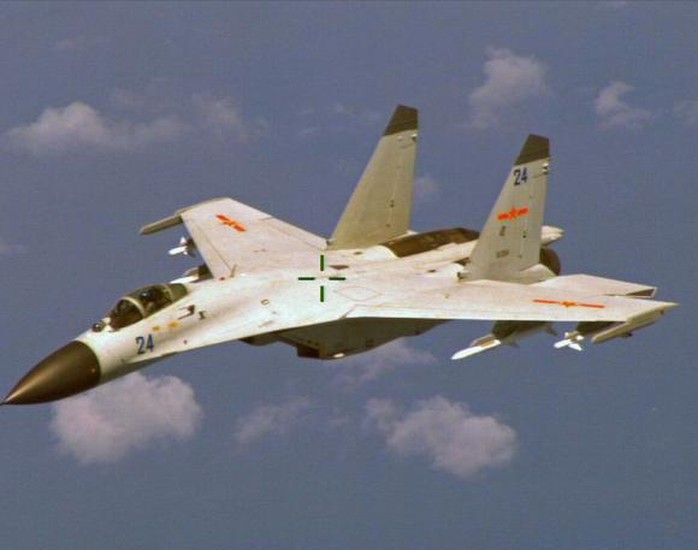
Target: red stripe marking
569, 304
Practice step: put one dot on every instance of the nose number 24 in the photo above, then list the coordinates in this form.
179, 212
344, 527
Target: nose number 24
145, 344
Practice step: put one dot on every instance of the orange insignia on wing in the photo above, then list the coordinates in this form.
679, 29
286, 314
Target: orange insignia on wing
225, 220
568, 304
513, 214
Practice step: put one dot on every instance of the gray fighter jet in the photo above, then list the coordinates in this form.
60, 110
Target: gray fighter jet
263, 280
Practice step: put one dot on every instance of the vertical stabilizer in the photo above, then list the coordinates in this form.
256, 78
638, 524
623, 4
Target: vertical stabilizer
381, 205
511, 239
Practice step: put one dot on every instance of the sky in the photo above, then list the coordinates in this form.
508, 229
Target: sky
114, 115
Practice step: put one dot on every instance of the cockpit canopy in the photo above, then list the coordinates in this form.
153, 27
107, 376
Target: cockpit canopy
143, 302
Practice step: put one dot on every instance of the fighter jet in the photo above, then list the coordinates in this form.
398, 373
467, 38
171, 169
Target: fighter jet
263, 280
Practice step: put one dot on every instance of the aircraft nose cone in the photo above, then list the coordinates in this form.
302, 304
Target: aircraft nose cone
72, 369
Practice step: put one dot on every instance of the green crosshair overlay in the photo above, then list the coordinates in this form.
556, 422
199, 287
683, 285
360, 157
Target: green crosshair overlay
322, 287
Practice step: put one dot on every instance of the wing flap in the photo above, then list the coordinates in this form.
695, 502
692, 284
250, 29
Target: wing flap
598, 285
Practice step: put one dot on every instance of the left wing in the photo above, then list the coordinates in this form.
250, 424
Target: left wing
232, 236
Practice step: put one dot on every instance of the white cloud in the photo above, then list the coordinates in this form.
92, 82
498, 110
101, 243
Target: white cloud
78, 127
425, 188
614, 112
219, 114
270, 420
132, 413
445, 432
222, 117
687, 111
332, 119
360, 369
366, 116
510, 80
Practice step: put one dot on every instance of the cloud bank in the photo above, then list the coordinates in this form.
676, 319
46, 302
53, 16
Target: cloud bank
79, 127
613, 112
510, 81
124, 416
268, 420
451, 437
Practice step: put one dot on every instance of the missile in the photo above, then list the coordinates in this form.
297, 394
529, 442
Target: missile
503, 333
485, 343
598, 332
572, 340
186, 247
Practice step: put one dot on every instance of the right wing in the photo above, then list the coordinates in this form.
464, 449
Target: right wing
231, 235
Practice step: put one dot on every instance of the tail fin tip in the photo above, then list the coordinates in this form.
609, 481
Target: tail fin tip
536, 148
404, 118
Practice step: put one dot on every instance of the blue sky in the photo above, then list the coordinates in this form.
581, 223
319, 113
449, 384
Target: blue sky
115, 115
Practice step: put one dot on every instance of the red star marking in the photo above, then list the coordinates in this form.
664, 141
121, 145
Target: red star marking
513, 214
225, 220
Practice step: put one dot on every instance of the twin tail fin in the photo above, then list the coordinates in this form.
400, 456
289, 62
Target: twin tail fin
510, 242
380, 208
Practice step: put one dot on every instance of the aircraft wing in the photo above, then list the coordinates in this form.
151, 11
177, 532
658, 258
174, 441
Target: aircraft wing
501, 301
232, 236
